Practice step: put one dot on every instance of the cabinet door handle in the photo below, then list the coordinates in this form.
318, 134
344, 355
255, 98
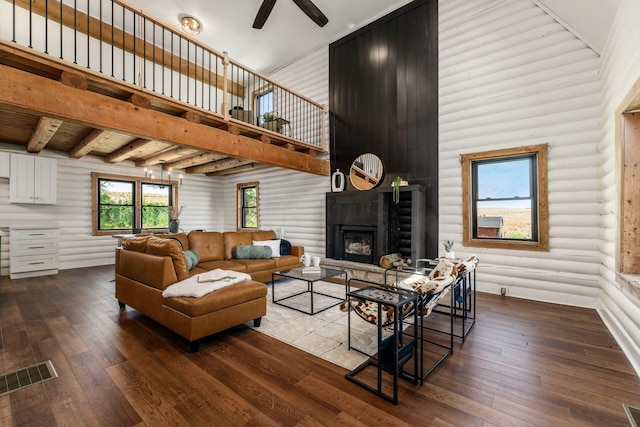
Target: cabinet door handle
36, 247
35, 263
36, 234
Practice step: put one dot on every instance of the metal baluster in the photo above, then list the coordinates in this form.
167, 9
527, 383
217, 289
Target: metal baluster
135, 37
100, 41
75, 31
112, 38
46, 27
88, 33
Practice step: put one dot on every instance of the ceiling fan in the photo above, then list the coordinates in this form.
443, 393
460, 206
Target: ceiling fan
307, 7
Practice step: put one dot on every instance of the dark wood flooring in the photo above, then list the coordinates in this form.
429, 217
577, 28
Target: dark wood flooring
523, 363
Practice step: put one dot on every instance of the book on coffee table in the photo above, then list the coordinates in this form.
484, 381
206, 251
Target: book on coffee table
311, 270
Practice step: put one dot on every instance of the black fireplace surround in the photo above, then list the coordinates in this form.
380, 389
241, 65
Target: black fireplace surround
364, 225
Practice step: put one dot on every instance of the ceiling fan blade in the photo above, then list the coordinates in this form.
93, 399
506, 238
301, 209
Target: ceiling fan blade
263, 13
312, 12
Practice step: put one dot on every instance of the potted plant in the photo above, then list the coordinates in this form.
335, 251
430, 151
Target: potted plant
396, 189
448, 245
174, 215
270, 121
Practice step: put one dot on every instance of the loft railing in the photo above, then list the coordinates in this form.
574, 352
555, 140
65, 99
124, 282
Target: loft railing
115, 39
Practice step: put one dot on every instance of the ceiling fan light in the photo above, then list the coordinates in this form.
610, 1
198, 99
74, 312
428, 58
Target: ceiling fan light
190, 25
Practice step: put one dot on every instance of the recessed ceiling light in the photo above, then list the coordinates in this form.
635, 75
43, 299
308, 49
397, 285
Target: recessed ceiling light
190, 25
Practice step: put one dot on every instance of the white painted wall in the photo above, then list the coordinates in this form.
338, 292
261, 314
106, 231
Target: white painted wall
620, 70
511, 76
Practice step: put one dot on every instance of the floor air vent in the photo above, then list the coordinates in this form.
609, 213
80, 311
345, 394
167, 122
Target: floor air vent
25, 377
633, 414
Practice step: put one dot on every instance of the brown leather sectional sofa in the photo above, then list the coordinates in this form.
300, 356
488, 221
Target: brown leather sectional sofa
147, 265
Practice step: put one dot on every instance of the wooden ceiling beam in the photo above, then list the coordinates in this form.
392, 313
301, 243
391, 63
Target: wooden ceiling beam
238, 169
218, 166
42, 134
200, 159
77, 21
165, 155
91, 141
33, 94
134, 148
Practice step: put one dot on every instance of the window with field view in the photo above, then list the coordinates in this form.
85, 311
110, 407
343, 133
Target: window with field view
125, 204
155, 205
505, 202
248, 206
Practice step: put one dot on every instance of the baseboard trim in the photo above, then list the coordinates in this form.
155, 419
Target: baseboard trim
628, 346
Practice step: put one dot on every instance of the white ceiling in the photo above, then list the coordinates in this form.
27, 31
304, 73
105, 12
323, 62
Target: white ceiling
289, 34
590, 20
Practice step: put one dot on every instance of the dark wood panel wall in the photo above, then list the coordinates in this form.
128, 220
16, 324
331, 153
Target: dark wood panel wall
383, 99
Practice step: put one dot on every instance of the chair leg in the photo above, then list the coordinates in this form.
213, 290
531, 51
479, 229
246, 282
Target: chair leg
256, 322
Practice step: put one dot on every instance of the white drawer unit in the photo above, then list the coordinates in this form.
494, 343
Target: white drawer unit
33, 252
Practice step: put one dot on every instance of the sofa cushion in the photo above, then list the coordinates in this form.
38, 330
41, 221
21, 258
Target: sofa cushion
233, 239
171, 248
209, 245
263, 235
223, 264
226, 297
288, 261
273, 244
254, 265
182, 237
136, 243
252, 252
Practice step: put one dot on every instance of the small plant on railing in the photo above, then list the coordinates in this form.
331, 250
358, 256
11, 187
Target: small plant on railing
270, 116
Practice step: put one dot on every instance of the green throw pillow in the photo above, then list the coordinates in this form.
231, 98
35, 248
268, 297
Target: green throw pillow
192, 259
252, 252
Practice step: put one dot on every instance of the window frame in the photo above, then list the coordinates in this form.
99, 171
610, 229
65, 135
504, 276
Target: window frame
540, 221
96, 177
240, 205
264, 90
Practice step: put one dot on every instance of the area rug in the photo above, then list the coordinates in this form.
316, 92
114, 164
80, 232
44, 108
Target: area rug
325, 334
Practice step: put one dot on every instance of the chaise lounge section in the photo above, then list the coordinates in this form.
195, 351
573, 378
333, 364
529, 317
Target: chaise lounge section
147, 265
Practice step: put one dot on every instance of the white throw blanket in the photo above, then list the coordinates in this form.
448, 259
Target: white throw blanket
204, 283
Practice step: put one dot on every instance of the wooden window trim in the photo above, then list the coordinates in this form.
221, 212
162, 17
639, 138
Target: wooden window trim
239, 188
627, 155
542, 197
95, 176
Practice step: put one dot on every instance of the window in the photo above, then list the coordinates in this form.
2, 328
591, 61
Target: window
505, 199
124, 204
248, 206
156, 200
264, 101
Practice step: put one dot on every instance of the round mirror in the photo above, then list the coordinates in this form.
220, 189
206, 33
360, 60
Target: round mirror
366, 172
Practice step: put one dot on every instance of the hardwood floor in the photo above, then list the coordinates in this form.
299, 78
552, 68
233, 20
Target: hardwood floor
524, 363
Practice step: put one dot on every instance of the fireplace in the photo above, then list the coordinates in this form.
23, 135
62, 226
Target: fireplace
358, 244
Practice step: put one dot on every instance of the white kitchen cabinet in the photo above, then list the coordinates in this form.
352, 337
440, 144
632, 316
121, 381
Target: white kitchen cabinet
33, 252
5, 162
33, 179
